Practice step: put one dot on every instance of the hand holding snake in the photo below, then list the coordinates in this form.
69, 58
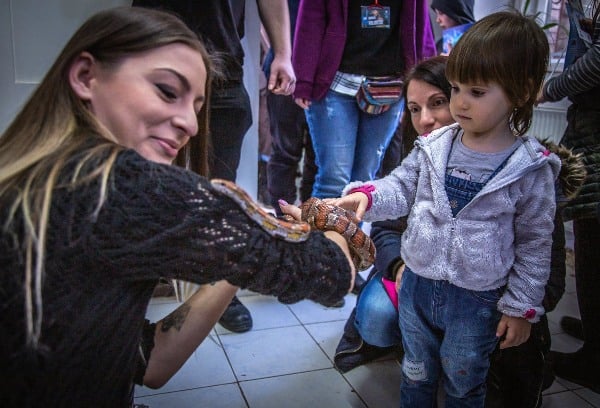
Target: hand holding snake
313, 214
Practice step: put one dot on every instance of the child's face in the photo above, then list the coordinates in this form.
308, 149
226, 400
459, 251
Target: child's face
481, 109
444, 20
150, 101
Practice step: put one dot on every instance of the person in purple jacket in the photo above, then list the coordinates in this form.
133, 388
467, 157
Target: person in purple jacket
336, 46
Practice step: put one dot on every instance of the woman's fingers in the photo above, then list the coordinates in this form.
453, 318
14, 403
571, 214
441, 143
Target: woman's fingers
290, 209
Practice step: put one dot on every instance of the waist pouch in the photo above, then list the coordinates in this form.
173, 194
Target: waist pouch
377, 94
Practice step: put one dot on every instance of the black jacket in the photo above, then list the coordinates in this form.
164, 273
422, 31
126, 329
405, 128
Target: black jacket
460, 11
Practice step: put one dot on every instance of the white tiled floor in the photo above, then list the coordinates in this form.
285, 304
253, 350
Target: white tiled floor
286, 361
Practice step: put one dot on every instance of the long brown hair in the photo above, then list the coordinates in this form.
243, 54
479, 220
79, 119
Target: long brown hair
432, 71
54, 124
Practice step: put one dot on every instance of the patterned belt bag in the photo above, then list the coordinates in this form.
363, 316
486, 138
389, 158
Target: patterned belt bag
377, 94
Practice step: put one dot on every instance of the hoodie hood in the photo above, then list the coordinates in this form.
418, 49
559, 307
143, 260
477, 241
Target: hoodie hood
572, 170
460, 11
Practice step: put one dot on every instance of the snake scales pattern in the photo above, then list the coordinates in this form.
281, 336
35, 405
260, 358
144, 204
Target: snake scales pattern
316, 214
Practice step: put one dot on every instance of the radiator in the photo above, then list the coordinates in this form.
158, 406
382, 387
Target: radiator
548, 123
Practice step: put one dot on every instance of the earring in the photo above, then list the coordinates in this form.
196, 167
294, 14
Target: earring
511, 121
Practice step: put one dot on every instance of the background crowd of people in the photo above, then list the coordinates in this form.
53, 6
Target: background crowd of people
89, 190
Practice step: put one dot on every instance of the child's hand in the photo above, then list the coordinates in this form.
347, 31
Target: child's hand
296, 213
515, 331
356, 202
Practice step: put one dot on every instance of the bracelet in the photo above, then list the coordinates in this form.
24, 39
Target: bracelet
366, 189
529, 314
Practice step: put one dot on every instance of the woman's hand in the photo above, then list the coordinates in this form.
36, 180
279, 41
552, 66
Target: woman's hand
296, 213
282, 80
355, 202
302, 102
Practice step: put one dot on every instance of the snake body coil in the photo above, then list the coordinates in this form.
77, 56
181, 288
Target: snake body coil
327, 217
316, 214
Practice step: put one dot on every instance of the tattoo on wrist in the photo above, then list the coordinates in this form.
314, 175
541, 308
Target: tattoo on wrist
176, 318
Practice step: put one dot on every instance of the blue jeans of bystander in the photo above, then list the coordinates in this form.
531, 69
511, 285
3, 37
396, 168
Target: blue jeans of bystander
349, 144
376, 317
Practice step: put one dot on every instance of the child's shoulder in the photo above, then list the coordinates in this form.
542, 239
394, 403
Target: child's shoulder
533, 152
439, 133
537, 149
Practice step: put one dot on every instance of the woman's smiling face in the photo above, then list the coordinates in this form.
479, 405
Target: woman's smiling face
428, 106
150, 101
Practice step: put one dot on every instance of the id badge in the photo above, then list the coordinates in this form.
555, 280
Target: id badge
375, 16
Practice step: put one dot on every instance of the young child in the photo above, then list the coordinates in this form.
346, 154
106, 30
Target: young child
480, 202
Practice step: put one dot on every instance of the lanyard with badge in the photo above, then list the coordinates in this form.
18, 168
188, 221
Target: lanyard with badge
375, 16
376, 94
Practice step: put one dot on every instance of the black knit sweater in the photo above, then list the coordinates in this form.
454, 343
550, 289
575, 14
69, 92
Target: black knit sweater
100, 271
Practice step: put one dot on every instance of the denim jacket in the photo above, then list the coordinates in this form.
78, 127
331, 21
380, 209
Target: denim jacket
503, 237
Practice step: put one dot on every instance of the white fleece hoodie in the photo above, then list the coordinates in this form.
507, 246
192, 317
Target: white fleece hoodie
501, 238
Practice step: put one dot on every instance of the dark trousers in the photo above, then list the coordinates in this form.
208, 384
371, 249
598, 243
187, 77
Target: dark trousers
289, 134
230, 119
516, 376
587, 279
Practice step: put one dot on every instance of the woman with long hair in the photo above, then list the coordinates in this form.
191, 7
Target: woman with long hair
93, 214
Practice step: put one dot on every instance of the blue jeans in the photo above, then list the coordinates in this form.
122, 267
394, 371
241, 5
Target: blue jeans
349, 144
448, 334
376, 317
460, 192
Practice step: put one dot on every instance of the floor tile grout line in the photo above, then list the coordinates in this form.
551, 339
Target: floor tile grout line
237, 380
354, 390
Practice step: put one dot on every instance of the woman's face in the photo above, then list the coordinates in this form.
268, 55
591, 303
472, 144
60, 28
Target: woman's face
150, 101
428, 106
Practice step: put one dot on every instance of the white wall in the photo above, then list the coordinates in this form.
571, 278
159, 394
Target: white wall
247, 175
32, 33
484, 7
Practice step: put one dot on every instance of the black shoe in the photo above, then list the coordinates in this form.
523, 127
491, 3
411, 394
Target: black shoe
580, 367
359, 282
572, 326
236, 317
352, 351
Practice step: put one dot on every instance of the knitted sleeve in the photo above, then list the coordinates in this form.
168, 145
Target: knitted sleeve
163, 221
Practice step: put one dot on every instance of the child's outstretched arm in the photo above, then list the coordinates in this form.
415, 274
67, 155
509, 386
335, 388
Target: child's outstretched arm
513, 331
357, 202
